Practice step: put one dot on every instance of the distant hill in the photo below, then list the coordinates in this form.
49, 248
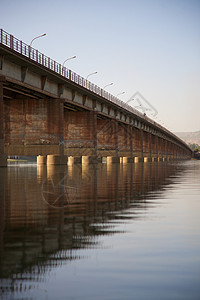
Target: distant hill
190, 137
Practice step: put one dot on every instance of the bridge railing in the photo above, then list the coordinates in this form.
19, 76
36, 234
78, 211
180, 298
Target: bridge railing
17, 45
22, 48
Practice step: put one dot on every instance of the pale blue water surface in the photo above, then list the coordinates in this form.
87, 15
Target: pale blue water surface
100, 232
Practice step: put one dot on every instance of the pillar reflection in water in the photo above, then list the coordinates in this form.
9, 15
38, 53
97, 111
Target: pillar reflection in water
54, 210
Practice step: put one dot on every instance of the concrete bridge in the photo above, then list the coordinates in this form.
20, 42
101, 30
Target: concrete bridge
50, 111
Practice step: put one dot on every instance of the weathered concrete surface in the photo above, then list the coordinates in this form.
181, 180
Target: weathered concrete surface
33, 127
80, 133
3, 156
107, 139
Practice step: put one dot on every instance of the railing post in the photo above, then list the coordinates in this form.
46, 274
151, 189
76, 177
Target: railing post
1, 36
36, 55
11, 41
21, 47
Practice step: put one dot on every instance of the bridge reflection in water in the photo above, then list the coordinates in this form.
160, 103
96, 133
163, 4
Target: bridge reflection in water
49, 212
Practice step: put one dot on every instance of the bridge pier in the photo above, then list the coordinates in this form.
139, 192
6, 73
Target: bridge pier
41, 160
138, 159
147, 159
89, 159
113, 159
74, 160
80, 134
56, 159
127, 159
3, 156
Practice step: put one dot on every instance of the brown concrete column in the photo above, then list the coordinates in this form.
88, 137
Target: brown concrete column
80, 134
156, 148
131, 142
59, 158
161, 148
61, 127
41, 159
92, 159
147, 144
74, 160
116, 138
3, 157
141, 139
175, 152
94, 114
116, 158
165, 150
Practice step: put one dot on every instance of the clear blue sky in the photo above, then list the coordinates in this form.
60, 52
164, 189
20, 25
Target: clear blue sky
150, 46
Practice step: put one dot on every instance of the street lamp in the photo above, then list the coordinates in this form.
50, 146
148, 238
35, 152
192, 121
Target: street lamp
68, 59
120, 94
107, 85
91, 74
37, 37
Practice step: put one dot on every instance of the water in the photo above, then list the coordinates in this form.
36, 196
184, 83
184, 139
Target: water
106, 232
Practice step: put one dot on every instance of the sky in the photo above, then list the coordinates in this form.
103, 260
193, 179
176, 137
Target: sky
146, 46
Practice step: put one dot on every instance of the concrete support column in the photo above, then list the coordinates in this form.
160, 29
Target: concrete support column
89, 159
156, 148
149, 144
56, 159
126, 160
94, 114
131, 142
141, 142
59, 158
80, 133
113, 159
170, 150
61, 127
165, 149
116, 138
176, 152
74, 160
3, 157
41, 160
147, 159
161, 149
138, 159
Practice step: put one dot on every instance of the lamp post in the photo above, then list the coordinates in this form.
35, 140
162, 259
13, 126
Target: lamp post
91, 74
68, 59
120, 94
107, 85
37, 37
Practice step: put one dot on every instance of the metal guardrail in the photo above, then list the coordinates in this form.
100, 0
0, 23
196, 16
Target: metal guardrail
22, 48
18, 46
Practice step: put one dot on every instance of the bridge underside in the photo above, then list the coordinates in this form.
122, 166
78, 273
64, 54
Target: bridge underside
54, 127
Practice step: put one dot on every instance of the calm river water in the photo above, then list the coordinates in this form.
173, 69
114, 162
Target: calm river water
100, 232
